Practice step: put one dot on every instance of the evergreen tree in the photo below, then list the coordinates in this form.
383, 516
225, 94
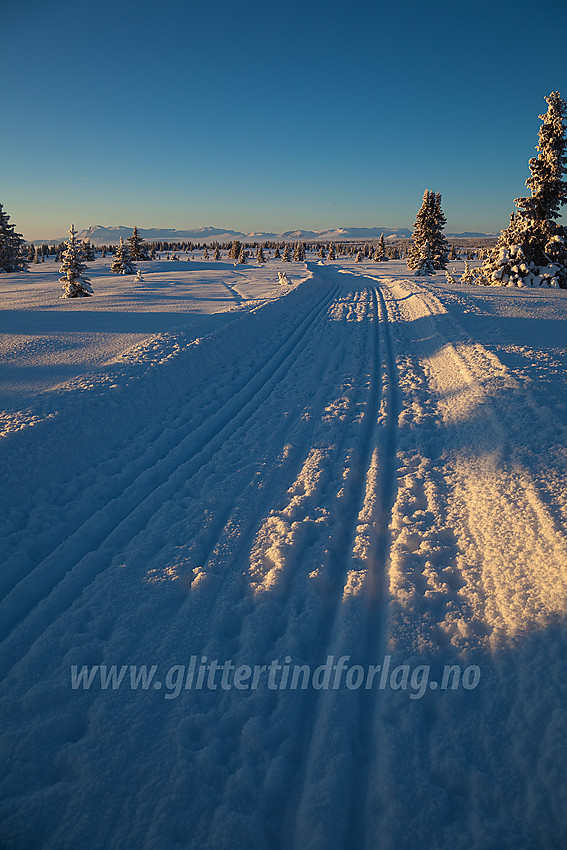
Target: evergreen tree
242, 257
75, 284
121, 263
331, 252
467, 276
88, 251
206, 253
380, 252
532, 251
235, 249
427, 231
358, 257
260, 258
216, 255
137, 246
285, 256
277, 254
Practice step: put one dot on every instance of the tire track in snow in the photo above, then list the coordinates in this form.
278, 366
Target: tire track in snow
89, 550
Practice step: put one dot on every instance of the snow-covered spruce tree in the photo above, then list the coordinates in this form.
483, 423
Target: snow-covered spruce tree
137, 246
216, 255
122, 263
243, 256
468, 275
234, 251
260, 258
285, 255
428, 230
75, 284
12, 257
380, 252
532, 251
331, 253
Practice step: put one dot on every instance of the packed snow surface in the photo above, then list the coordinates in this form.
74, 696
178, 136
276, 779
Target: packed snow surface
207, 470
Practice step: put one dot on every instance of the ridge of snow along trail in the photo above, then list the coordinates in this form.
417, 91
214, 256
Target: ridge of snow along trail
283, 566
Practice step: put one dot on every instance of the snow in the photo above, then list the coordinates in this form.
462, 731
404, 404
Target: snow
210, 466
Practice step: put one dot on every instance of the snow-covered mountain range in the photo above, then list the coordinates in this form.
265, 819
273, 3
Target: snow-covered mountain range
98, 234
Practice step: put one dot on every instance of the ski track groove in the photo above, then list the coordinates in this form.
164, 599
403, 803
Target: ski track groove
377, 596
85, 545
327, 708
339, 562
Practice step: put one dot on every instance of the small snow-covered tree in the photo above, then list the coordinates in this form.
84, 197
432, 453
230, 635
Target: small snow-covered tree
468, 275
532, 251
88, 251
235, 249
331, 252
216, 255
137, 246
358, 257
75, 284
121, 264
285, 255
380, 252
242, 257
260, 258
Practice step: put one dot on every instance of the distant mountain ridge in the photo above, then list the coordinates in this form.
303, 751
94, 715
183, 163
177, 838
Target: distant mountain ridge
100, 235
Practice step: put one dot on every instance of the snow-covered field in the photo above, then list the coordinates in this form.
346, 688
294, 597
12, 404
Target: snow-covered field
220, 479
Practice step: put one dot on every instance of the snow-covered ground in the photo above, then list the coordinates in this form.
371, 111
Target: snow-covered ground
228, 481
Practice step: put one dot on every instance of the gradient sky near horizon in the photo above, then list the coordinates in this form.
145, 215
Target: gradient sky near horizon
260, 116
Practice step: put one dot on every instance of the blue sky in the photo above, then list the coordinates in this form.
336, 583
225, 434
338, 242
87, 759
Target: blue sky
265, 116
